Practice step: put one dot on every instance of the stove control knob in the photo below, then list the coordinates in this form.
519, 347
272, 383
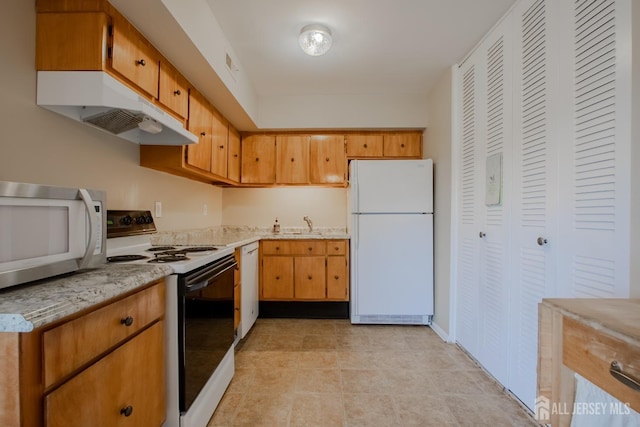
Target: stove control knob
126, 220
148, 219
140, 220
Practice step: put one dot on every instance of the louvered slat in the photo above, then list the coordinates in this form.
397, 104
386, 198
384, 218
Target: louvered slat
468, 146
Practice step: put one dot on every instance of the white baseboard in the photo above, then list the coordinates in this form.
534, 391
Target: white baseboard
441, 333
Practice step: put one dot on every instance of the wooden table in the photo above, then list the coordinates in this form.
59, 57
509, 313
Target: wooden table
587, 336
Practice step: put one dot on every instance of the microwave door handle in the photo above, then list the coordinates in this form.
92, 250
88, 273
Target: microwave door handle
93, 227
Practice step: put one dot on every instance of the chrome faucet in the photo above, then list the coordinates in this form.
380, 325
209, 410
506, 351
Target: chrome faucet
309, 223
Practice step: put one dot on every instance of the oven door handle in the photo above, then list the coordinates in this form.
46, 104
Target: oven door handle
202, 281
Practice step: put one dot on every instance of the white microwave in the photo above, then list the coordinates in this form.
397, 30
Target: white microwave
47, 231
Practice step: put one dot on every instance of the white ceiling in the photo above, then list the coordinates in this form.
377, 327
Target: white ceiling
387, 55
380, 46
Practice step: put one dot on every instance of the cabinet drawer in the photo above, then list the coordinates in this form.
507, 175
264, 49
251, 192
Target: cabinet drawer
308, 247
589, 352
130, 377
337, 247
77, 342
275, 247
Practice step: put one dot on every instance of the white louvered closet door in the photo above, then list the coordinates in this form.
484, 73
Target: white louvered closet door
483, 243
534, 189
494, 248
595, 150
468, 263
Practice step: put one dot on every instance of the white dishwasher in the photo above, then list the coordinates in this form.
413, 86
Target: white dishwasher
248, 288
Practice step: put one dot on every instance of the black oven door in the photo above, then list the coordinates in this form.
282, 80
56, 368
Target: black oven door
206, 330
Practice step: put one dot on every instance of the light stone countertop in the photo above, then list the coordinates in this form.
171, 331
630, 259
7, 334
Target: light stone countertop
26, 307
242, 235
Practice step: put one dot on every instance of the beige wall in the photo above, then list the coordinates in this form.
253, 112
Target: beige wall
327, 207
43, 147
635, 154
438, 147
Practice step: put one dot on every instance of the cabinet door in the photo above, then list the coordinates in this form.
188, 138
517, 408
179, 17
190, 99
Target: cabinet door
327, 159
200, 122
83, 35
277, 277
99, 395
364, 145
174, 90
337, 278
258, 159
134, 57
233, 155
403, 145
310, 278
219, 143
292, 159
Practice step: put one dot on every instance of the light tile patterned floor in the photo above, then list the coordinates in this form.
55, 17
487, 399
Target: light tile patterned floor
308, 372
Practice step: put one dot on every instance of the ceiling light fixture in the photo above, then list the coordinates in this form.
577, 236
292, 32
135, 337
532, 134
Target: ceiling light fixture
315, 39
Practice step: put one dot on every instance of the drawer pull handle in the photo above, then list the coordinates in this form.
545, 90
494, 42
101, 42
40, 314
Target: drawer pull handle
127, 321
626, 379
127, 411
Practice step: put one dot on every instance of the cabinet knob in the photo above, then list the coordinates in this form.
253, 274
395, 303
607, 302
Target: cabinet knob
127, 321
541, 241
257, 159
326, 159
235, 155
277, 248
222, 147
402, 145
336, 248
237, 308
277, 277
203, 133
176, 92
336, 277
127, 411
310, 248
309, 277
292, 159
482, 234
141, 62
365, 145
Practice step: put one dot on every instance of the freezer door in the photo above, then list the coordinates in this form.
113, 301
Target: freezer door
392, 266
392, 186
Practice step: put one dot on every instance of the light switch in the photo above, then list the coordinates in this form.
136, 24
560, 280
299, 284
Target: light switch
158, 209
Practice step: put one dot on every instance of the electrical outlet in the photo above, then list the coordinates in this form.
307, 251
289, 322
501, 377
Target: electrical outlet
158, 209
205, 209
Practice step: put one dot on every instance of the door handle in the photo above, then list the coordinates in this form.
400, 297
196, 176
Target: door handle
482, 234
541, 241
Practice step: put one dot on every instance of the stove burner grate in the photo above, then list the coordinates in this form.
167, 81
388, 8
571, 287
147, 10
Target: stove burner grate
125, 258
160, 248
199, 249
169, 258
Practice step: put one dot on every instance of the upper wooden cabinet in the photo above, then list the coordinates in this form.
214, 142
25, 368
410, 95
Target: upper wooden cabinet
174, 90
327, 159
200, 124
292, 159
134, 57
219, 143
233, 157
403, 145
384, 145
364, 145
259, 159
85, 37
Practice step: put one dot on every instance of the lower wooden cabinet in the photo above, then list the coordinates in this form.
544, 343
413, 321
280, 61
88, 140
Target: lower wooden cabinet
124, 388
103, 367
304, 270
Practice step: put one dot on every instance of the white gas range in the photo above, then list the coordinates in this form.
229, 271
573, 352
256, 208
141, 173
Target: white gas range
199, 355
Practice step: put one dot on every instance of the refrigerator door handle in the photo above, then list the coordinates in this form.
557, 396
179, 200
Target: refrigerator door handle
356, 225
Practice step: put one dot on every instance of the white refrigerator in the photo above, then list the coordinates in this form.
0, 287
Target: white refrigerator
392, 241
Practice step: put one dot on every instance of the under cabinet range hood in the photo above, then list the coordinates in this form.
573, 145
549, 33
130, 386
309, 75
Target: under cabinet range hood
96, 98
